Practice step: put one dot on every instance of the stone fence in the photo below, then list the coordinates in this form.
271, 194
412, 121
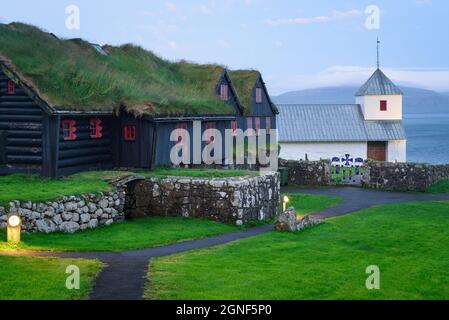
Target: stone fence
416, 177
68, 214
308, 173
232, 200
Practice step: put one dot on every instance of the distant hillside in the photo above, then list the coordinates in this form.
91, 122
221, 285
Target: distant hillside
416, 100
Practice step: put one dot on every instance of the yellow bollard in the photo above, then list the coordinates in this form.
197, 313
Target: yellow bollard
13, 229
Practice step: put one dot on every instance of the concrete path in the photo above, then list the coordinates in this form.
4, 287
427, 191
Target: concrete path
356, 199
125, 276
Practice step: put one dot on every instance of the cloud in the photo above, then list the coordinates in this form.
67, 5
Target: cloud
171, 7
160, 34
336, 15
432, 79
205, 10
278, 44
424, 2
223, 44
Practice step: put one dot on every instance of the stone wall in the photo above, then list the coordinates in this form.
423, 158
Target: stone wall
232, 200
403, 176
308, 173
68, 214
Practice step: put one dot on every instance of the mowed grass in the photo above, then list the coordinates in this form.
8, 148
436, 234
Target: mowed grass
132, 234
169, 172
439, 187
310, 203
408, 242
35, 188
32, 278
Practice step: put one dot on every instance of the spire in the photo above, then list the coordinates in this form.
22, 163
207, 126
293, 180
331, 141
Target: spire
378, 55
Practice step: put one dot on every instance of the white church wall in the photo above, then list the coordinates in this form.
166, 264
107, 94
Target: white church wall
323, 150
397, 151
371, 107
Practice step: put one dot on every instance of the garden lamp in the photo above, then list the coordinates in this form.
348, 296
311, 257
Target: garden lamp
13, 229
285, 200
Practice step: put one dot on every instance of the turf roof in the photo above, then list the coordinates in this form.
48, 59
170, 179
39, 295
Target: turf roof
72, 75
244, 82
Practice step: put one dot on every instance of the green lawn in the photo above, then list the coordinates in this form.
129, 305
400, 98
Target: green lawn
133, 234
169, 172
308, 203
35, 188
29, 278
409, 243
439, 187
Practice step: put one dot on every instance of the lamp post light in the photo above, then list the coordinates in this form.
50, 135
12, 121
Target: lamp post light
285, 200
13, 229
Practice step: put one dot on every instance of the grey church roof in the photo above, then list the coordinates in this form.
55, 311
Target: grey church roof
333, 123
378, 84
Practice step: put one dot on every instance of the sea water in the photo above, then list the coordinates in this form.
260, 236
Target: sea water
428, 138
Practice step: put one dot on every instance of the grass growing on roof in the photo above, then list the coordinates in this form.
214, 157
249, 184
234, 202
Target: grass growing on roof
35, 188
72, 74
408, 242
31, 278
132, 234
244, 82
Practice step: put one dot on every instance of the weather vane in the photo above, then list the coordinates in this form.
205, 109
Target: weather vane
378, 56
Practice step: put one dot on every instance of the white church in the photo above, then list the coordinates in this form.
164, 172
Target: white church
369, 129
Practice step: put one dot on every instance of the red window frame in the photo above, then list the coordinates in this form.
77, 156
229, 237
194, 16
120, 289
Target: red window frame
268, 124
224, 92
181, 137
129, 132
11, 87
383, 105
210, 137
234, 128
96, 128
259, 97
257, 125
68, 127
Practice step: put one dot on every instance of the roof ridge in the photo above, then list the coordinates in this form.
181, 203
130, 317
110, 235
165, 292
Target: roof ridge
379, 84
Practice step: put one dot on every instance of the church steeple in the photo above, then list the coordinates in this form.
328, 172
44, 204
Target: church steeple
379, 98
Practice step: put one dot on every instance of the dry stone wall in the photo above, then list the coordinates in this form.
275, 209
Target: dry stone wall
68, 214
403, 176
232, 200
308, 173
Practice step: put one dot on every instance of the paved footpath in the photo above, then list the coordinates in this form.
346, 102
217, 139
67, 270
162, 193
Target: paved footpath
125, 275
356, 199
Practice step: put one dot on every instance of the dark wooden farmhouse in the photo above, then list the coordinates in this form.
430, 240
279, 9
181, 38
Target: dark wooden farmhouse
67, 106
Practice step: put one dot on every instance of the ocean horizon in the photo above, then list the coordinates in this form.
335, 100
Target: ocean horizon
427, 138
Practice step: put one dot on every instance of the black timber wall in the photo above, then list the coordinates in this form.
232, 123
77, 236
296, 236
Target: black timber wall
85, 153
164, 130
138, 153
21, 131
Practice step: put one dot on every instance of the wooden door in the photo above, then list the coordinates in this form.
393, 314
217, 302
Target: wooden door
377, 151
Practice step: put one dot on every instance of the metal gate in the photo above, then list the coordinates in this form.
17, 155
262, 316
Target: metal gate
347, 170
